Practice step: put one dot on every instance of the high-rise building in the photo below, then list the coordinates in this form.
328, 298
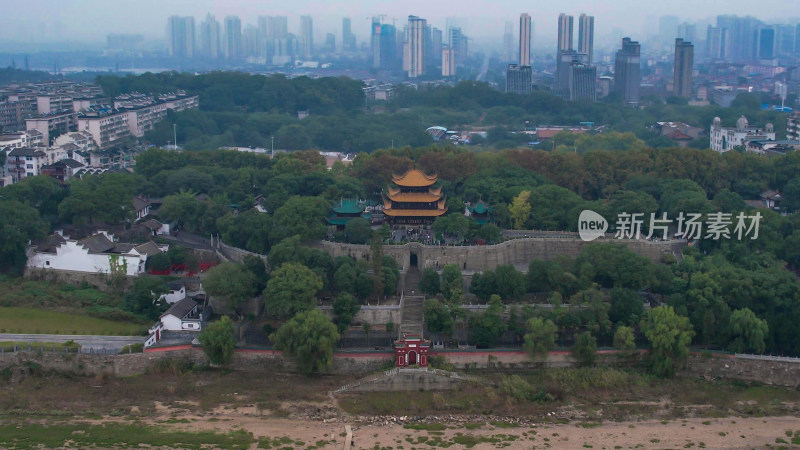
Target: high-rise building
277, 27
434, 50
508, 41
210, 34
784, 40
766, 43
564, 32
388, 47
181, 37
627, 75
232, 43
250, 41
716, 43
524, 39
459, 44
687, 32
375, 42
586, 35
307, 35
448, 61
684, 64
742, 38
262, 35
582, 82
519, 79
414, 51
565, 60
348, 38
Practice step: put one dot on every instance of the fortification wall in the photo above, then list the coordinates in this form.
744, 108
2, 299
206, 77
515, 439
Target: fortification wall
774, 372
479, 258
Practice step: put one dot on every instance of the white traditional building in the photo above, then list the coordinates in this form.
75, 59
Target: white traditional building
186, 316
177, 292
95, 254
724, 139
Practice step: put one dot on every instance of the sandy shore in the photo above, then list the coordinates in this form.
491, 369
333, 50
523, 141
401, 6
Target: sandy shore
732, 432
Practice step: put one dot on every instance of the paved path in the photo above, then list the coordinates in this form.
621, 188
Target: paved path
85, 341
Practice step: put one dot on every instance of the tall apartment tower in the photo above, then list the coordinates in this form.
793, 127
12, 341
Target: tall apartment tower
766, 43
307, 33
519, 79
448, 61
582, 82
524, 39
586, 35
415, 46
232, 43
684, 63
277, 27
375, 42
348, 38
626, 71
181, 37
564, 32
210, 37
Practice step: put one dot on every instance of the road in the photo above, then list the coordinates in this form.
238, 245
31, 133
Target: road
85, 341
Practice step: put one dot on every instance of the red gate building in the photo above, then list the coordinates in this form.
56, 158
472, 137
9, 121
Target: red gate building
411, 350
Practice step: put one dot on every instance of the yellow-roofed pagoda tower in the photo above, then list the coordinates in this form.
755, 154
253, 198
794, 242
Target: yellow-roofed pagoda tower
414, 201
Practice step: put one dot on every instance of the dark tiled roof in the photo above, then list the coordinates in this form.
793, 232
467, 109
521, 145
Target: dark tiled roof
148, 248
152, 224
98, 243
69, 162
26, 151
122, 248
139, 203
50, 243
175, 285
181, 308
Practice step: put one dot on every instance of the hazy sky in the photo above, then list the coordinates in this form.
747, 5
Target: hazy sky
90, 20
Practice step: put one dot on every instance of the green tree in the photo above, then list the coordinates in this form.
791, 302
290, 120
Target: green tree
159, 262
510, 282
520, 209
302, 216
627, 306
438, 317
345, 308
231, 281
452, 282
541, 336
748, 331
486, 328
669, 336
218, 341
106, 198
489, 232
585, 349
430, 284
358, 231
19, 223
624, 340
142, 299
309, 337
182, 208
292, 288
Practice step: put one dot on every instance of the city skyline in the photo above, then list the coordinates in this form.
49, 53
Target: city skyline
91, 20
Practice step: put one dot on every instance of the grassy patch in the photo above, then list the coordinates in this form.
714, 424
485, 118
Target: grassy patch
43, 346
37, 321
116, 435
425, 426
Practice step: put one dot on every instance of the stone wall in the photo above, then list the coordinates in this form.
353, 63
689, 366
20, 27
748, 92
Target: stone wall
409, 380
100, 281
373, 315
479, 258
778, 373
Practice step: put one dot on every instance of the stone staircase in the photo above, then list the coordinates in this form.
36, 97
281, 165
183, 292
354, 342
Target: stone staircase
411, 316
412, 279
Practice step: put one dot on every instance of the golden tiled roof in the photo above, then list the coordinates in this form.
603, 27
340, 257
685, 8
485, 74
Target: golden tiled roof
414, 178
409, 197
414, 212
